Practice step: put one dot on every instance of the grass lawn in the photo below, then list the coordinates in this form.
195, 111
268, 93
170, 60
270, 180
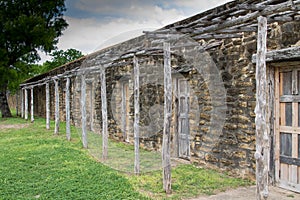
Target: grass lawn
35, 164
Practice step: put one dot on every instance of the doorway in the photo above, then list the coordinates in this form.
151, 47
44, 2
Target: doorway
287, 127
183, 127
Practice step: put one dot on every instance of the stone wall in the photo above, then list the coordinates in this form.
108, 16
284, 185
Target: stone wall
221, 102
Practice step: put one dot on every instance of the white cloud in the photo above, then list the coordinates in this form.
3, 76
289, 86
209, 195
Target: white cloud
87, 35
90, 33
199, 6
123, 20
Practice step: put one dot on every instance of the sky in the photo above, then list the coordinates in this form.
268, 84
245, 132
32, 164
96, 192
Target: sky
95, 24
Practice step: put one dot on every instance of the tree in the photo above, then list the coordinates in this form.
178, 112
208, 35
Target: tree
25, 27
61, 57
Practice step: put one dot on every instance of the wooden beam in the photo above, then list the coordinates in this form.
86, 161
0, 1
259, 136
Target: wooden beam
291, 53
68, 129
47, 106
22, 102
56, 129
104, 115
262, 154
83, 112
166, 162
251, 16
17, 102
251, 7
218, 36
238, 30
136, 115
26, 104
31, 104
123, 111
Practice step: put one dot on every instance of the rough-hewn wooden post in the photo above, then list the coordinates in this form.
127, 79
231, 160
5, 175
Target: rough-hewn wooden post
22, 103
26, 104
83, 111
31, 104
123, 111
17, 104
47, 106
262, 154
136, 125
68, 130
104, 115
56, 129
166, 162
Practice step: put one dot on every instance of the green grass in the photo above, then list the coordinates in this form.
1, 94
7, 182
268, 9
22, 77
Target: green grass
35, 164
187, 181
121, 155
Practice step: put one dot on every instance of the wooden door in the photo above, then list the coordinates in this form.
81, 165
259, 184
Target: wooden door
89, 106
125, 110
183, 119
287, 128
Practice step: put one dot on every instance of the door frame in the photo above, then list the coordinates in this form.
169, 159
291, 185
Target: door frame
176, 79
278, 130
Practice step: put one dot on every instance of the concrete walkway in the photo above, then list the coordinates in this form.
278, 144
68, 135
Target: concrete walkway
248, 193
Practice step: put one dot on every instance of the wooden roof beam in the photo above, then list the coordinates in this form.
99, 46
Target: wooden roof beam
251, 16
218, 36
292, 53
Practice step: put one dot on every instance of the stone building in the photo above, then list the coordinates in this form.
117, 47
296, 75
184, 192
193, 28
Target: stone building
213, 87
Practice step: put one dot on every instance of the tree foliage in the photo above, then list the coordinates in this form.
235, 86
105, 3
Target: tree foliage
26, 26
59, 58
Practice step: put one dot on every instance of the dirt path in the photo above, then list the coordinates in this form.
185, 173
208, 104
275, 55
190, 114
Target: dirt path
14, 126
248, 193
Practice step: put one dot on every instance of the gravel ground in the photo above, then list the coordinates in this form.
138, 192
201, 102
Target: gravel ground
248, 193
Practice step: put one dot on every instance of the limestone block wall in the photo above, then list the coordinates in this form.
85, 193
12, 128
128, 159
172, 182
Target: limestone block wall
222, 129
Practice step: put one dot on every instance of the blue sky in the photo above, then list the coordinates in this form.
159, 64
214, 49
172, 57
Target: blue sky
94, 24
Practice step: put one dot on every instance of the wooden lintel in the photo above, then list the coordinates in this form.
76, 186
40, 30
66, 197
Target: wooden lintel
292, 53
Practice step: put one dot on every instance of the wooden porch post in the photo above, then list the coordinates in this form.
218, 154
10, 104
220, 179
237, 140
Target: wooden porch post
26, 104
83, 111
136, 115
68, 130
31, 103
262, 154
56, 130
104, 114
166, 162
22, 102
17, 104
47, 107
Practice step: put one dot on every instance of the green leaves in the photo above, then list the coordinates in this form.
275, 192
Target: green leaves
25, 27
59, 58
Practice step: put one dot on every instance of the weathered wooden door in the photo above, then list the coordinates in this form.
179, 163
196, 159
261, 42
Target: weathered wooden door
183, 119
125, 110
287, 107
90, 106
